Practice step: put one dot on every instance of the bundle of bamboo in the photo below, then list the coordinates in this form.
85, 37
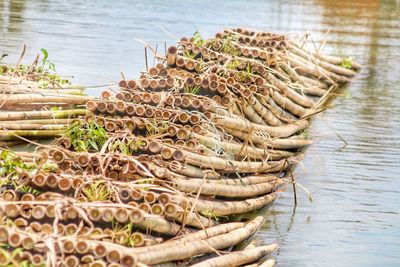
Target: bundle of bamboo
36, 104
155, 173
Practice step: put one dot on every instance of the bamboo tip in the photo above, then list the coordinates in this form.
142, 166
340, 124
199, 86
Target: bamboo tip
178, 155
172, 50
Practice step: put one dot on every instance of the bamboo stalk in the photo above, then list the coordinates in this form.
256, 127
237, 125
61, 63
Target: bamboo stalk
26, 126
273, 131
188, 218
58, 114
23, 89
277, 143
31, 98
239, 258
241, 150
223, 190
228, 166
7, 135
187, 250
227, 208
326, 65
268, 263
41, 121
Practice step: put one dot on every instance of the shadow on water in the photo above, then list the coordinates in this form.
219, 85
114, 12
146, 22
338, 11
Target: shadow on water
354, 217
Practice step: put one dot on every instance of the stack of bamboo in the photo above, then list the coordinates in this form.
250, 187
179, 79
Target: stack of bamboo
162, 171
27, 110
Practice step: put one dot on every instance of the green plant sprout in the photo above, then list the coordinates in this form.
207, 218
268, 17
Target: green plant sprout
192, 90
10, 163
233, 65
9, 258
86, 136
347, 63
198, 39
228, 46
155, 129
189, 54
97, 191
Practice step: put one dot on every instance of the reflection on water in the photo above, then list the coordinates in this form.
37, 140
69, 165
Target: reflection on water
354, 217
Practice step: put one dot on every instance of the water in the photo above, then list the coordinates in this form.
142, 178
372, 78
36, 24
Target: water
354, 217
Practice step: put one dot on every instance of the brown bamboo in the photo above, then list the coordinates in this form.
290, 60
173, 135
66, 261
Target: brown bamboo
243, 125
192, 171
239, 258
175, 212
225, 208
39, 98
187, 250
268, 263
7, 116
228, 166
277, 143
233, 191
242, 150
288, 105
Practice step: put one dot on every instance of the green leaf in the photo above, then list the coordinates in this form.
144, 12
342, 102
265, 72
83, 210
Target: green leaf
4, 154
45, 54
347, 63
198, 39
52, 67
93, 144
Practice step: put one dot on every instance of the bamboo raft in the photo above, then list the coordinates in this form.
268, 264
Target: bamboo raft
161, 172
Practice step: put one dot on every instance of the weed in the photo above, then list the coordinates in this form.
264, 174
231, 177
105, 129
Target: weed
192, 90
233, 65
10, 163
347, 63
211, 214
228, 47
155, 128
244, 75
11, 257
26, 189
86, 136
189, 54
198, 39
97, 191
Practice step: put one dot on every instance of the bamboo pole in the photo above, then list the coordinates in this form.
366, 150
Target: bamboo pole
243, 125
8, 135
187, 250
38, 98
228, 166
223, 190
227, 208
241, 150
58, 114
278, 143
239, 258
26, 126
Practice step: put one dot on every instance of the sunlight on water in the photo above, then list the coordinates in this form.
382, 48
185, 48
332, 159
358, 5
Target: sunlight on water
354, 217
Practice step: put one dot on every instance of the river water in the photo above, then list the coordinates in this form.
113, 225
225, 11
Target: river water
353, 219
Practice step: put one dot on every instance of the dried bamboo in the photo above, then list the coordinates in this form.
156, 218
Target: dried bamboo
187, 250
239, 258
38, 98
225, 208
10, 116
233, 191
8, 135
228, 166
243, 125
